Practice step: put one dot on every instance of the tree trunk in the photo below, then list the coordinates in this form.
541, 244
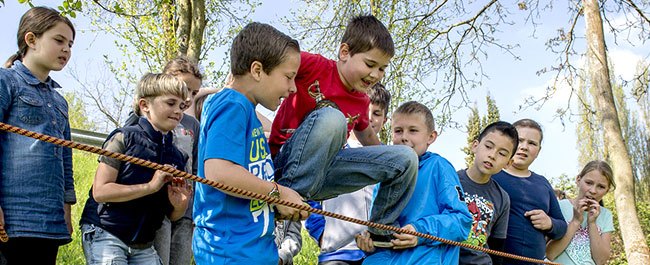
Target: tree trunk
635, 247
184, 25
198, 27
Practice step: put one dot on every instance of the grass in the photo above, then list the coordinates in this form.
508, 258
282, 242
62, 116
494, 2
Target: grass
85, 165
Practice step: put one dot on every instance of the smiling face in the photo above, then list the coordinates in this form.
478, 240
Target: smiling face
278, 83
377, 117
163, 112
528, 149
49, 52
359, 72
593, 185
492, 153
411, 130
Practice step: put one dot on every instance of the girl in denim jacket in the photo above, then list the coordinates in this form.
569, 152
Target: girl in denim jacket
36, 184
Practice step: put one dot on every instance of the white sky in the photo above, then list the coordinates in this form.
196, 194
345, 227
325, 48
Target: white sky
509, 83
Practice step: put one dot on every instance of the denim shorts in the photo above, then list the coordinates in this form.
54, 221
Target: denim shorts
102, 248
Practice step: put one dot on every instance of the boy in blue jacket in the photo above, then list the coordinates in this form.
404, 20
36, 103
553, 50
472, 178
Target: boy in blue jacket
437, 206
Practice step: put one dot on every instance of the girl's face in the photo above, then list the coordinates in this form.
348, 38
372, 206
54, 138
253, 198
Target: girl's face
592, 185
529, 145
51, 51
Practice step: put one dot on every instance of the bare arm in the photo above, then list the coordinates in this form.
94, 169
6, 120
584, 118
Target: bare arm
67, 215
555, 247
106, 190
367, 137
599, 243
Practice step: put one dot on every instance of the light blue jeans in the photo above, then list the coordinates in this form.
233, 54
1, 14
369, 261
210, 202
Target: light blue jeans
101, 247
313, 163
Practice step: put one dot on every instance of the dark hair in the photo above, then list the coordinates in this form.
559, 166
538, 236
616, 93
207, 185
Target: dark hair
560, 194
198, 105
36, 20
183, 65
365, 33
528, 123
504, 128
380, 96
259, 42
414, 107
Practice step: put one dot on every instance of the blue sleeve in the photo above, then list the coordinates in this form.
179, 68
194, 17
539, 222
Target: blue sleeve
69, 196
555, 213
315, 223
5, 94
454, 220
225, 132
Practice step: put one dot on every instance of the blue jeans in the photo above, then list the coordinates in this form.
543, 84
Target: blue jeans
101, 247
313, 163
174, 241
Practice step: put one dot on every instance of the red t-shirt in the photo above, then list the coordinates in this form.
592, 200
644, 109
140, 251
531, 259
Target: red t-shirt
315, 67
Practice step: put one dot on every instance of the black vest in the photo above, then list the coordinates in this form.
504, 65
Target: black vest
136, 221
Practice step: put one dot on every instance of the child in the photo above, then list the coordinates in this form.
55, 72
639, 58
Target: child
231, 229
314, 122
36, 184
590, 228
133, 200
173, 240
437, 207
488, 203
336, 237
531, 217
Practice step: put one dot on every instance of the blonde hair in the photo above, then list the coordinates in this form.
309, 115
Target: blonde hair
155, 85
603, 168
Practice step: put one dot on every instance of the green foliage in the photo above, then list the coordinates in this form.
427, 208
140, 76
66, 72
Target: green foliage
67, 7
565, 183
77, 114
618, 249
309, 253
84, 167
475, 125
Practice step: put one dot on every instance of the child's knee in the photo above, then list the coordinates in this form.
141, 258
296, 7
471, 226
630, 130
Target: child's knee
330, 121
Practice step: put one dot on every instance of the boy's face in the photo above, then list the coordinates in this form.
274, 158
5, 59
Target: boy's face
163, 112
377, 117
411, 130
492, 153
528, 149
279, 83
361, 71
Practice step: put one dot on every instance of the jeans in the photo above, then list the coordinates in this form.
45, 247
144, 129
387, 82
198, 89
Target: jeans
101, 247
313, 163
174, 241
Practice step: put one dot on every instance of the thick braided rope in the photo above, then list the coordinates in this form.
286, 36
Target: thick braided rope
249, 194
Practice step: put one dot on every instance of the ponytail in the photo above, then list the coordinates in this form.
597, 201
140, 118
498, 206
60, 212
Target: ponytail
12, 58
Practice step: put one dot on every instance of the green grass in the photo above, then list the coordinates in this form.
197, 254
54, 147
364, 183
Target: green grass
85, 165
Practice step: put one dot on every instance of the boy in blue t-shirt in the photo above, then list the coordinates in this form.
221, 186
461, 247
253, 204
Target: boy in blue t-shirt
233, 150
437, 206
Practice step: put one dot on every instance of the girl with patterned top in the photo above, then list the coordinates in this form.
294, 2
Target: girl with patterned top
588, 237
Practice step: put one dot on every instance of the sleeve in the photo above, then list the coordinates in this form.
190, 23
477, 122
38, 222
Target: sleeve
454, 220
308, 62
69, 195
5, 95
500, 228
315, 223
291, 243
607, 224
195, 147
497, 244
226, 132
363, 122
114, 144
555, 213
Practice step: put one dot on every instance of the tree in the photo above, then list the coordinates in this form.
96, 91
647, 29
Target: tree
634, 240
77, 115
475, 125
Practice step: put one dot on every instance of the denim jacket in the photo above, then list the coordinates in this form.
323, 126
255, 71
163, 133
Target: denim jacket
36, 176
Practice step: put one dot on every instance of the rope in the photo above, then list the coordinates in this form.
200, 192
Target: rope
249, 194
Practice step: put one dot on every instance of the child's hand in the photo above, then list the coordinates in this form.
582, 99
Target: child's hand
364, 242
288, 213
2, 218
593, 210
579, 208
404, 240
179, 193
539, 219
159, 179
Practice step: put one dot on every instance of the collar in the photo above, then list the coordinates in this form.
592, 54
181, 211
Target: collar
27, 75
154, 135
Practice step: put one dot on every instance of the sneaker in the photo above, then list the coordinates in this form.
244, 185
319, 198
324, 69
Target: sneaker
381, 241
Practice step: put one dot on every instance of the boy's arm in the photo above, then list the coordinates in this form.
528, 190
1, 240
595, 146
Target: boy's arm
454, 221
559, 227
234, 175
499, 232
367, 137
106, 190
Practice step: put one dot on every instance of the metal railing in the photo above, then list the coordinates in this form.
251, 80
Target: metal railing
88, 137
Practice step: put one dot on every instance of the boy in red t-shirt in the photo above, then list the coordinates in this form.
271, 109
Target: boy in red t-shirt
312, 126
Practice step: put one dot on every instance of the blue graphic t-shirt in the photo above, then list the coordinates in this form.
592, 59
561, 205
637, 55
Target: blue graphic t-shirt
231, 230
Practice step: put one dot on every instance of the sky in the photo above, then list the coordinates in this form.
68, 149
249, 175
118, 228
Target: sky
510, 81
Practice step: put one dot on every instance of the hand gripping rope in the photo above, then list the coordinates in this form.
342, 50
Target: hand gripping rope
249, 194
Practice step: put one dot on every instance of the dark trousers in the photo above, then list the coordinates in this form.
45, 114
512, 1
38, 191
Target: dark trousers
341, 262
28, 250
